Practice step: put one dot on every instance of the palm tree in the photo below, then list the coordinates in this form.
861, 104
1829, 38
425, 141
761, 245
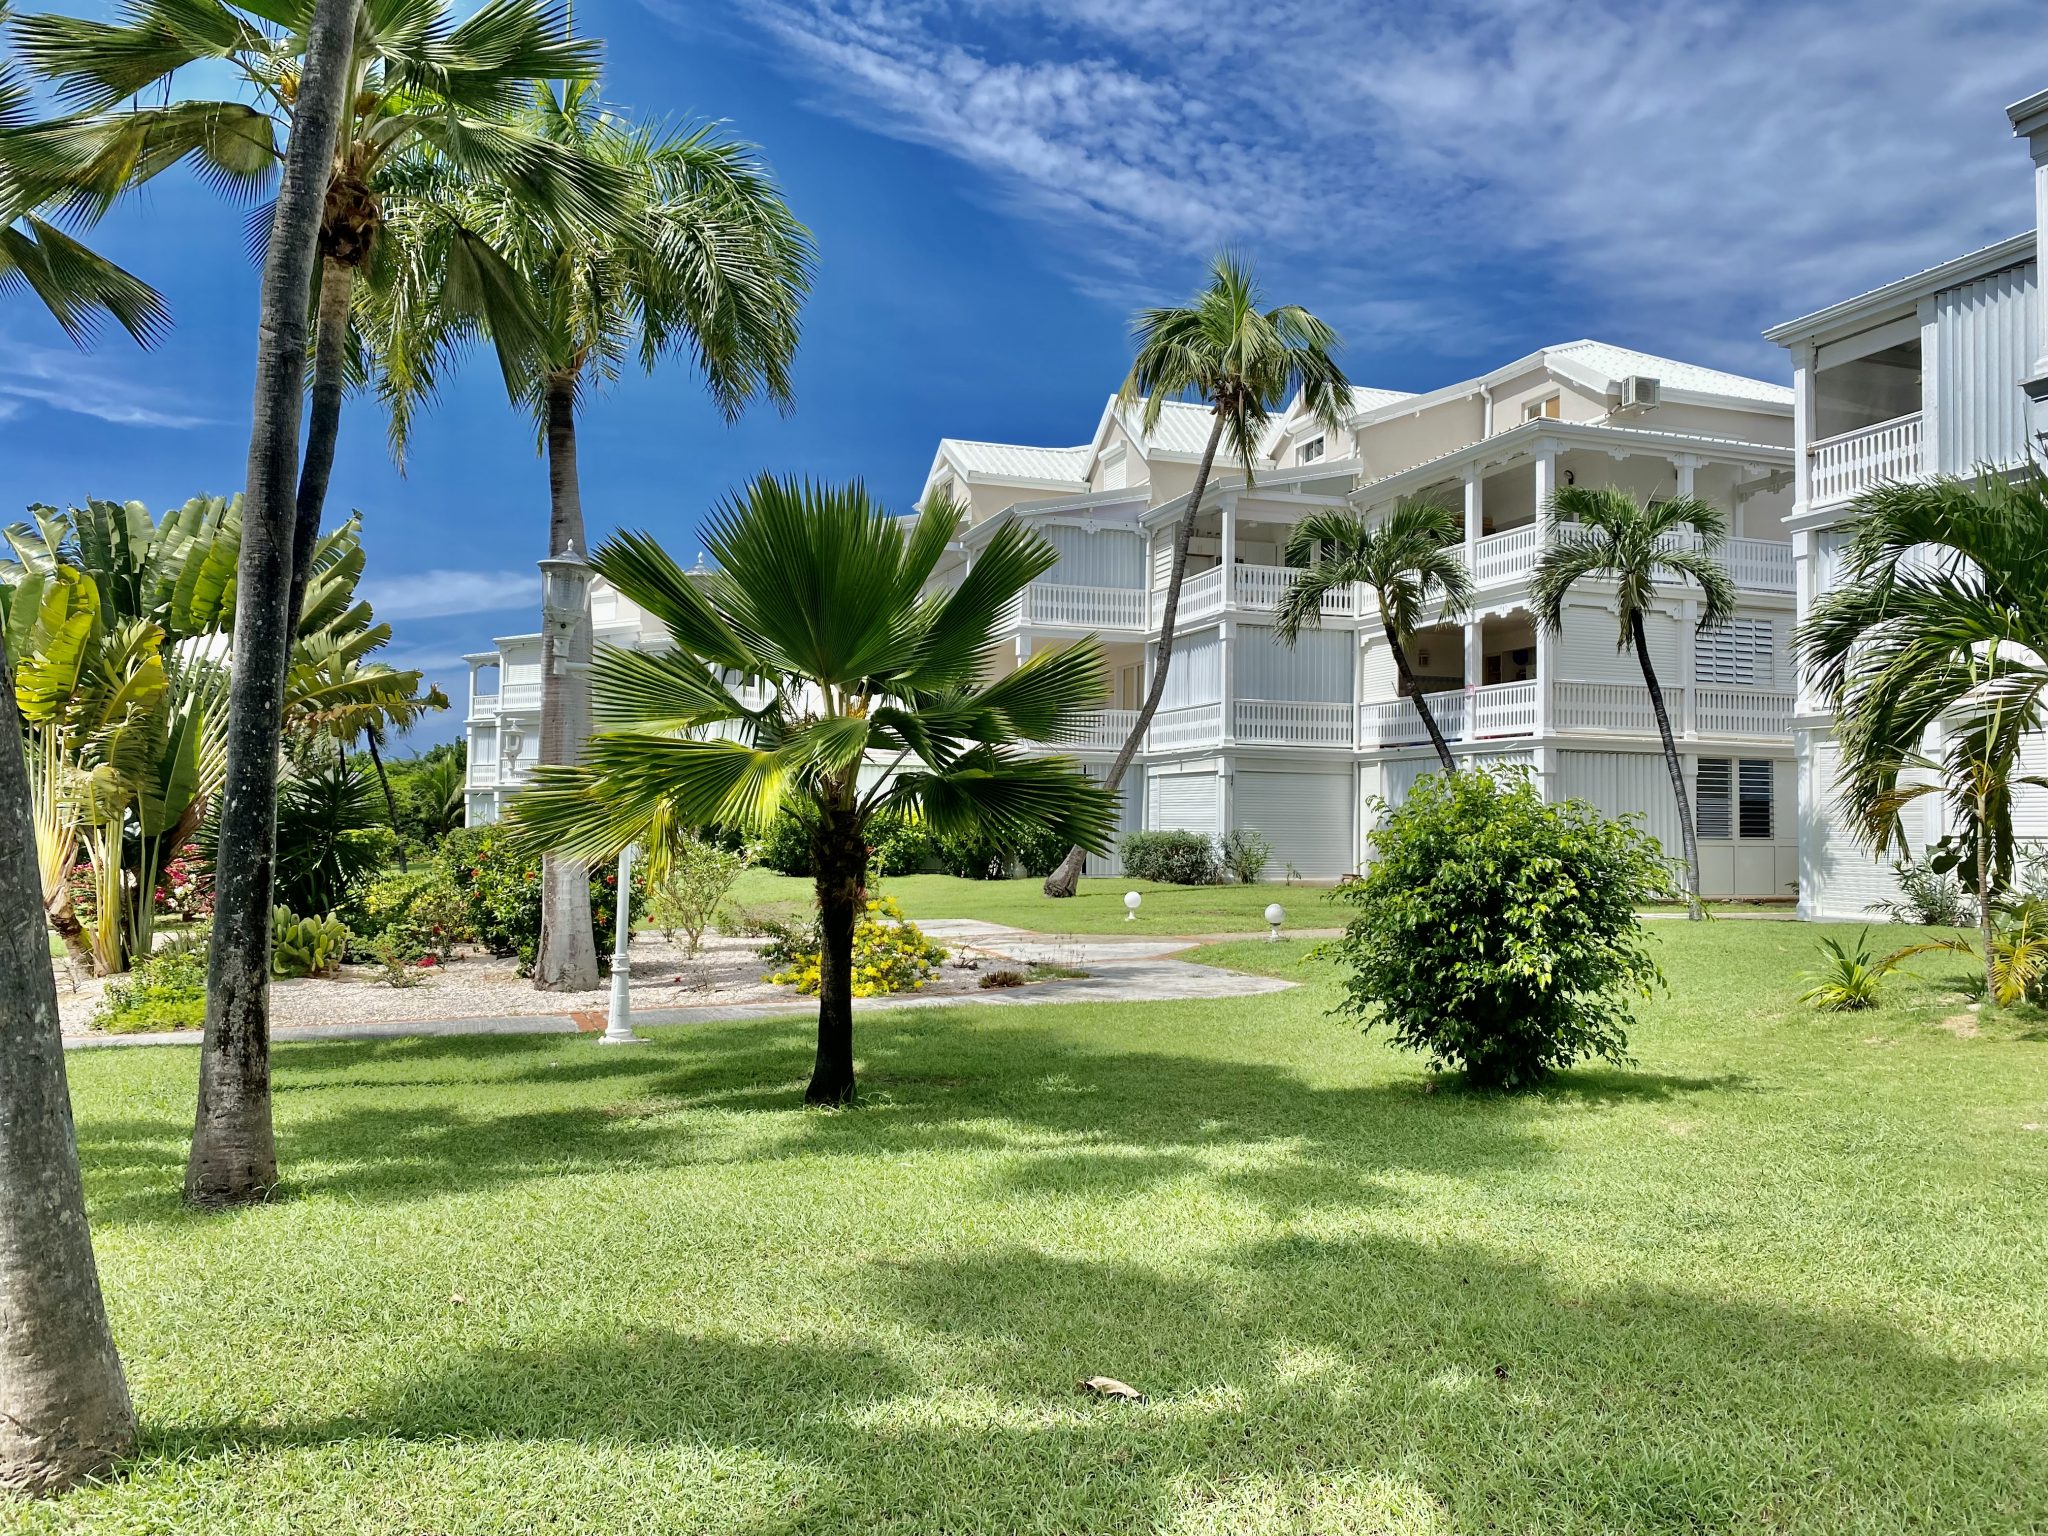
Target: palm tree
76, 285
417, 88
704, 258
1939, 624
1612, 537
1412, 563
64, 1410
819, 594
1242, 362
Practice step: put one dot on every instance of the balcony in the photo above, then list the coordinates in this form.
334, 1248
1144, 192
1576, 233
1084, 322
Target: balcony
1615, 709
1462, 714
483, 706
1110, 729
1059, 606
1754, 565
1257, 588
1845, 466
1254, 722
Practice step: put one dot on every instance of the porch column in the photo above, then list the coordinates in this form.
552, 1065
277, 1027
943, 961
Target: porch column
1227, 631
1802, 426
1546, 485
1688, 667
1546, 642
1475, 515
1228, 511
1685, 464
1475, 672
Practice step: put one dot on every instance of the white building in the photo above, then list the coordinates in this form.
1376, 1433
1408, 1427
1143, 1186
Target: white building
1937, 373
1299, 742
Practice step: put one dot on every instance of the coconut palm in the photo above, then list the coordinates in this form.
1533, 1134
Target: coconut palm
1242, 362
704, 259
1939, 624
1610, 537
1412, 562
78, 286
875, 706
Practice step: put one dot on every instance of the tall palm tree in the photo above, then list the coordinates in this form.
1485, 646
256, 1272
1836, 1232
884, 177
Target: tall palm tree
1412, 563
1939, 623
1242, 362
64, 1411
704, 258
78, 286
818, 593
1615, 538
417, 87
234, 1151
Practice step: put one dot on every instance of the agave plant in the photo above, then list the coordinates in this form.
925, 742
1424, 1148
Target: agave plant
874, 706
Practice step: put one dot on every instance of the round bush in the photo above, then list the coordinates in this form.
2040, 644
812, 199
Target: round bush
1173, 858
1497, 932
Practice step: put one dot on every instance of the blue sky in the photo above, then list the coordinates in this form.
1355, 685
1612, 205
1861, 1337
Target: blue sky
995, 185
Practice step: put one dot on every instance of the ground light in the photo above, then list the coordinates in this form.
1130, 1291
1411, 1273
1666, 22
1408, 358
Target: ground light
1132, 900
1275, 916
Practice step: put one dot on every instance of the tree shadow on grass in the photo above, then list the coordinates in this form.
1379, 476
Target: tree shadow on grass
1295, 1384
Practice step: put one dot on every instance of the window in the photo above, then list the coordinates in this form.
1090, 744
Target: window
1737, 655
1310, 451
1733, 798
1536, 410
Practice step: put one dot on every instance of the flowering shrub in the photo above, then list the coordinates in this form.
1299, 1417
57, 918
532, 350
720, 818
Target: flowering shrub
890, 954
502, 894
185, 886
423, 911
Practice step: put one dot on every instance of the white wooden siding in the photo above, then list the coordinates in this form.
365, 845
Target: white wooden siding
1195, 674
1984, 346
1838, 877
1306, 816
1638, 785
1187, 802
1586, 651
1096, 557
1130, 805
1316, 667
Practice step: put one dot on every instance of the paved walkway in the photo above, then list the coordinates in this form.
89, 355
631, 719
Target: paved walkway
1136, 970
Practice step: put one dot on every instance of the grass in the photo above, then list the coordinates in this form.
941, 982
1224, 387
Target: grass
1782, 1275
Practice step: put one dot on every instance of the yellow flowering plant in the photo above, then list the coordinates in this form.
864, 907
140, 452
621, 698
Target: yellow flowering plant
890, 954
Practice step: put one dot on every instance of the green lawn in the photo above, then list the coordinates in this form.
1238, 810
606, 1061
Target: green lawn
1784, 1275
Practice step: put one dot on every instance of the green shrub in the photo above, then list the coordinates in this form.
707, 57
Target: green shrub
1932, 897
1497, 932
166, 990
306, 946
1172, 858
787, 847
501, 894
396, 958
1244, 854
424, 909
890, 954
896, 846
983, 856
691, 890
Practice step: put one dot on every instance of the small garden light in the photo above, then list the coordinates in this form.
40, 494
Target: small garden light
1131, 902
1275, 916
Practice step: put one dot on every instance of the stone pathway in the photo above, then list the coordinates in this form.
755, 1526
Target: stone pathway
1134, 970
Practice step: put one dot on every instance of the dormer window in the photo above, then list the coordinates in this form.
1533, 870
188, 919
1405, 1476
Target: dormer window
1310, 451
1538, 410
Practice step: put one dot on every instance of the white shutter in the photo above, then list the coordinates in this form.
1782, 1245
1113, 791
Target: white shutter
1306, 817
1184, 802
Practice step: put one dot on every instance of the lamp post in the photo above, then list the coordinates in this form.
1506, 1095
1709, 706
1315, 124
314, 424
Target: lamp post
1275, 916
1131, 903
618, 1028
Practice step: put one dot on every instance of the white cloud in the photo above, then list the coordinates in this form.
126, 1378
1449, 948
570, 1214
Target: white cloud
1687, 173
83, 386
441, 594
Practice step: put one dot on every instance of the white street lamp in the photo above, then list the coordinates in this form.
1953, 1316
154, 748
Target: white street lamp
1275, 916
1131, 902
564, 595
618, 1029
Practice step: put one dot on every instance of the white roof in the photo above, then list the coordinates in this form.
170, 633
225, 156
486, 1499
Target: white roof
2011, 251
1612, 364
1016, 461
1373, 399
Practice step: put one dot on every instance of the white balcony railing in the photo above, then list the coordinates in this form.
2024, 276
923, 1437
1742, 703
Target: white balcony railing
482, 705
1106, 734
1200, 596
1461, 714
1196, 725
1071, 607
1853, 462
1505, 557
1755, 565
1622, 708
1263, 586
1285, 723
515, 698
1503, 709
1742, 712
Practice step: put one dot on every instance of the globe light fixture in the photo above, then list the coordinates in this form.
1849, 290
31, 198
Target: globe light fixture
1132, 900
1275, 916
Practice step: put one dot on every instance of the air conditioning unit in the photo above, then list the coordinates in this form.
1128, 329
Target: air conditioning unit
1639, 392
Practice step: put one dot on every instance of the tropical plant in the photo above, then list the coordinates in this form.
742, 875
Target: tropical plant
1244, 853
500, 886
1241, 362
692, 876
1411, 561
1170, 857
702, 258
1939, 624
76, 285
890, 954
1848, 978
1497, 931
306, 946
435, 801
1607, 535
164, 990
1929, 896
64, 1410
820, 594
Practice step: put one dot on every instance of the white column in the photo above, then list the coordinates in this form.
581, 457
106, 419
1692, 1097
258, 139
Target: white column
1932, 460
618, 1029
1546, 642
2030, 122
1227, 632
1546, 485
1475, 515
1802, 426
1475, 671
1229, 516
1685, 464
1688, 667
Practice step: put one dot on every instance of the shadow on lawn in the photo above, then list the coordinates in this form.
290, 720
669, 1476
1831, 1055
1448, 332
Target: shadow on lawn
1296, 1383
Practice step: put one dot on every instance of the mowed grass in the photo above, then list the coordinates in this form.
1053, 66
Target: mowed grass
1785, 1274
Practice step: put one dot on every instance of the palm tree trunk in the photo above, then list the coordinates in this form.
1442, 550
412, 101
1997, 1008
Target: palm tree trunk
64, 1410
1066, 879
390, 800
1422, 709
839, 856
566, 960
1688, 833
234, 1155
1986, 936
323, 422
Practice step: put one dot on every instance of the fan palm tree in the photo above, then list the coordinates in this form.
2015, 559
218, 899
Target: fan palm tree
1617, 539
875, 706
77, 286
1939, 624
1412, 563
704, 258
1242, 362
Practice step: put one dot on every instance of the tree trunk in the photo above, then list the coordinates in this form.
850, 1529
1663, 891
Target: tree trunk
234, 1157
64, 1411
567, 956
1986, 935
1687, 831
1066, 879
65, 924
1422, 709
323, 423
839, 855
390, 800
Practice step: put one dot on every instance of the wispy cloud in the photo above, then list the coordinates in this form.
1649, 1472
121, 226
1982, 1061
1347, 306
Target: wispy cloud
83, 385
440, 594
1691, 172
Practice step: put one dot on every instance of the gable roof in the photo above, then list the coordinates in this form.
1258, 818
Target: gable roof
1609, 365
1015, 461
